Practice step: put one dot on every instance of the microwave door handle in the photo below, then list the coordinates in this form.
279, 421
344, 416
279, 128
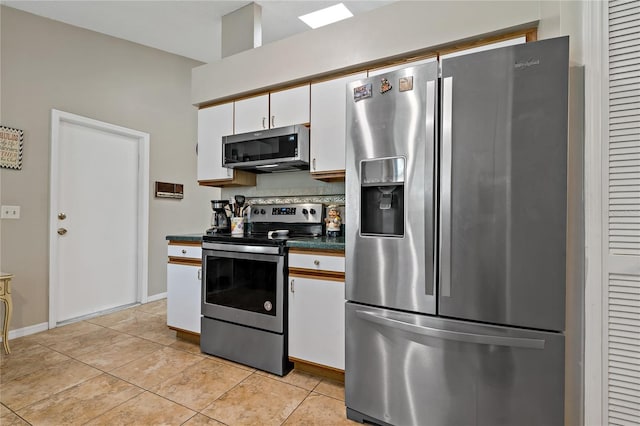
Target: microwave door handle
458, 336
445, 189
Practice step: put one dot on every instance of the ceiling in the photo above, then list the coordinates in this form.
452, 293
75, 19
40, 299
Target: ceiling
187, 28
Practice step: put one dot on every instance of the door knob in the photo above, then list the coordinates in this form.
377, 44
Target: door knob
62, 216
62, 231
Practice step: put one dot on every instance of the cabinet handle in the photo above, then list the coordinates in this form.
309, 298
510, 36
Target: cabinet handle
314, 164
316, 262
273, 121
199, 273
263, 119
292, 289
184, 251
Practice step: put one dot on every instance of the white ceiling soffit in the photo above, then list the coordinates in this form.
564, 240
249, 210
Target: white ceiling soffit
187, 28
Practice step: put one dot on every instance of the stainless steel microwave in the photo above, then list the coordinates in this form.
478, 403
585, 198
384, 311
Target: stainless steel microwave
272, 150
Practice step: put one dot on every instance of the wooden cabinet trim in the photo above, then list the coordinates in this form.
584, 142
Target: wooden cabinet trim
293, 86
318, 369
187, 261
329, 176
240, 178
184, 243
316, 275
186, 334
531, 34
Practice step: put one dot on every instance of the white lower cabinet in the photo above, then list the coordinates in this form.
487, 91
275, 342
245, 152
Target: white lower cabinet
183, 297
316, 320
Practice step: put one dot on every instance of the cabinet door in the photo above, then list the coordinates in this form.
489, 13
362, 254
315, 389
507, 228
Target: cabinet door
289, 107
183, 297
316, 321
252, 114
328, 115
213, 123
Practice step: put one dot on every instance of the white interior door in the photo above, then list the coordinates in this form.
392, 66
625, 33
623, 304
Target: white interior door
98, 218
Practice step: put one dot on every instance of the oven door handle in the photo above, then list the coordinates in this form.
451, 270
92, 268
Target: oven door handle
241, 248
217, 254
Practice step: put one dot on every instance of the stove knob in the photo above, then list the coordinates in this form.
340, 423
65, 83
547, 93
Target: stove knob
312, 211
256, 211
262, 211
305, 211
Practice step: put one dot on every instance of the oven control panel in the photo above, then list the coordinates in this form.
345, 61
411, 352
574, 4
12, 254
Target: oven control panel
287, 213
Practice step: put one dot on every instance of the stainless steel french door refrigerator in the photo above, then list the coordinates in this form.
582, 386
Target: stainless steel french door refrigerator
455, 279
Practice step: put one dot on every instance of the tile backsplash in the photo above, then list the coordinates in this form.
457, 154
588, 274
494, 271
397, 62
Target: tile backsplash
286, 184
291, 187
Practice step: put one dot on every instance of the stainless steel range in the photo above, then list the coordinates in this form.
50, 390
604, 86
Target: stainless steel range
244, 304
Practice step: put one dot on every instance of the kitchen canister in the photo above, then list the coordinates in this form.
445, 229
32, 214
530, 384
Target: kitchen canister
237, 226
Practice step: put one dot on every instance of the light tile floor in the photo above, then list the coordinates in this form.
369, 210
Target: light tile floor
129, 368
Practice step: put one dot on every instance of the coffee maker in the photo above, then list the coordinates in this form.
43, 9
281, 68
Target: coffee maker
220, 221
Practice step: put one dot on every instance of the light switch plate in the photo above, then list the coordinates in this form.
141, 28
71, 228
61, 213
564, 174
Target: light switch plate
10, 212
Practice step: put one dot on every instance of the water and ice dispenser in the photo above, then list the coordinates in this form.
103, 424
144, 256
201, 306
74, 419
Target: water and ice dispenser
382, 202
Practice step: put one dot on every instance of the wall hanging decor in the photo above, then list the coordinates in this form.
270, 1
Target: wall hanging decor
11, 148
169, 190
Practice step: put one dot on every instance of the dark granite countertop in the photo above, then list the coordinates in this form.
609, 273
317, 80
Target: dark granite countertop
321, 243
184, 237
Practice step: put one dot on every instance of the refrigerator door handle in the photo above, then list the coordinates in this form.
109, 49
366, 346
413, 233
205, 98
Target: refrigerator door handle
480, 339
430, 126
445, 189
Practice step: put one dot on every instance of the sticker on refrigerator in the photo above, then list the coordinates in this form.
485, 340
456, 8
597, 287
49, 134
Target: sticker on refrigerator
362, 92
405, 84
385, 86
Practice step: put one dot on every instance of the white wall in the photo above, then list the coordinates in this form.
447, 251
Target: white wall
387, 32
48, 64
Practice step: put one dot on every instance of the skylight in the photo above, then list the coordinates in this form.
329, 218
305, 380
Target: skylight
326, 16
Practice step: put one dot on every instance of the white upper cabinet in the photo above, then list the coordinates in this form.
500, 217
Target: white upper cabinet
277, 109
289, 107
213, 123
251, 114
328, 123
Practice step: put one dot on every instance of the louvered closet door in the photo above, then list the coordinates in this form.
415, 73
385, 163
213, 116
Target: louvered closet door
622, 264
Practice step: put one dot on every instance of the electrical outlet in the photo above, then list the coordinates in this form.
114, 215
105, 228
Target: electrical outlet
10, 212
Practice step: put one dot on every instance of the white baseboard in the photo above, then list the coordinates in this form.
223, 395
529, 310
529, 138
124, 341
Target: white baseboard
25, 331
155, 297
44, 326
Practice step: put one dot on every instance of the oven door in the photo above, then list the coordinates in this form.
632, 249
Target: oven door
244, 285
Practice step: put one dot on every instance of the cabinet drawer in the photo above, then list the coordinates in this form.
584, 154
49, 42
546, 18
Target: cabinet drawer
316, 262
185, 251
